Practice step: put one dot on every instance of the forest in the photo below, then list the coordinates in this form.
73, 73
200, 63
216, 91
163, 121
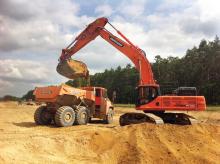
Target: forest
199, 67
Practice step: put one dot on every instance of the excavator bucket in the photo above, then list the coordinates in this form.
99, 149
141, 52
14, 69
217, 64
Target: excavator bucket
73, 69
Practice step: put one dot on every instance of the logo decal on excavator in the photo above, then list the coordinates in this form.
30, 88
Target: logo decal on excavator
115, 41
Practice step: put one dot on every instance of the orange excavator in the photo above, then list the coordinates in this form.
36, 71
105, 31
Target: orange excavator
148, 99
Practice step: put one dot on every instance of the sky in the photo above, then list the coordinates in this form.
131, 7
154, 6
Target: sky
33, 33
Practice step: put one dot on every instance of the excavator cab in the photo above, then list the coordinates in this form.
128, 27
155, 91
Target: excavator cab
146, 94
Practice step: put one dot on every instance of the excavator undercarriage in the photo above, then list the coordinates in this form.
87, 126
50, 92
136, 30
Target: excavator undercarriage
157, 118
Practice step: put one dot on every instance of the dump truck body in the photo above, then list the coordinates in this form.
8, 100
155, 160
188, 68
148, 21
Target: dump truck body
63, 95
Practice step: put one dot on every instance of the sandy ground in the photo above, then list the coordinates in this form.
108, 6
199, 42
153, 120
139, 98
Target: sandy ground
21, 141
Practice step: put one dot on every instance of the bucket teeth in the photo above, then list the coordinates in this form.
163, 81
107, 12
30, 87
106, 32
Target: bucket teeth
72, 69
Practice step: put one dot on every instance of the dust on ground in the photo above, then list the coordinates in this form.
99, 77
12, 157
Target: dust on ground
21, 141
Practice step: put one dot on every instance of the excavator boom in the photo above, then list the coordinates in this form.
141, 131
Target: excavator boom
96, 28
73, 69
86, 36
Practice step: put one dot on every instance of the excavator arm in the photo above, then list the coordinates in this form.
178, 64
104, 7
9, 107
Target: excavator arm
135, 54
86, 36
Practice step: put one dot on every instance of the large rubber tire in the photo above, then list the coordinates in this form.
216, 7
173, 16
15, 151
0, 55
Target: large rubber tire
65, 116
109, 117
82, 116
42, 116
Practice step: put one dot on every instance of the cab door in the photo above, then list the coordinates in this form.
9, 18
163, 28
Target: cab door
100, 100
98, 97
104, 101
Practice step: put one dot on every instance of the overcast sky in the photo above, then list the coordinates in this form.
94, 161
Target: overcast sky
32, 34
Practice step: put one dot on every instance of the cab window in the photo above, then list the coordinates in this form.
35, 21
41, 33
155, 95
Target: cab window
146, 95
105, 94
97, 92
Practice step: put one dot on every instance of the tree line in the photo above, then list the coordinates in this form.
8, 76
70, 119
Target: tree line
28, 96
199, 67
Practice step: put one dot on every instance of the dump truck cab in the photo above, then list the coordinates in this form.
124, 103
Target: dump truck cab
103, 105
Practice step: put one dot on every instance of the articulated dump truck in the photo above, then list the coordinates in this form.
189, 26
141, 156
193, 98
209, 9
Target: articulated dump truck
67, 106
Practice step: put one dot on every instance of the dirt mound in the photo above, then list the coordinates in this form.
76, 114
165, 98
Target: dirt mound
155, 143
22, 141
8, 104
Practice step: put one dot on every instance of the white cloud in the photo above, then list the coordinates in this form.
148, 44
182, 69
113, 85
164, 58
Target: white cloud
38, 25
173, 5
4, 85
18, 76
44, 27
99, 55
209, 9
23, 71
104, 10
132, 8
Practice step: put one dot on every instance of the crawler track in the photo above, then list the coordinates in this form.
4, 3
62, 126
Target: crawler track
171, 118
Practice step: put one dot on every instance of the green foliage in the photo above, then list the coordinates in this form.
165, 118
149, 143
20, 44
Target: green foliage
200, 67
29, 95
213, 108
79, 82
9, 98
120, 80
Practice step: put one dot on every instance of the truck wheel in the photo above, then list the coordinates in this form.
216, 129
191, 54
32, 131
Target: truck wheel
53, 120
65, 116
42, 116
109, 117
90, 120
82, 116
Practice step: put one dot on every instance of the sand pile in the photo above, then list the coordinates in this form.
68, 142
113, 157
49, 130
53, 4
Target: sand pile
22, 141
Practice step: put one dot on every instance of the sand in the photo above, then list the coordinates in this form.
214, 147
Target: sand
21, 141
